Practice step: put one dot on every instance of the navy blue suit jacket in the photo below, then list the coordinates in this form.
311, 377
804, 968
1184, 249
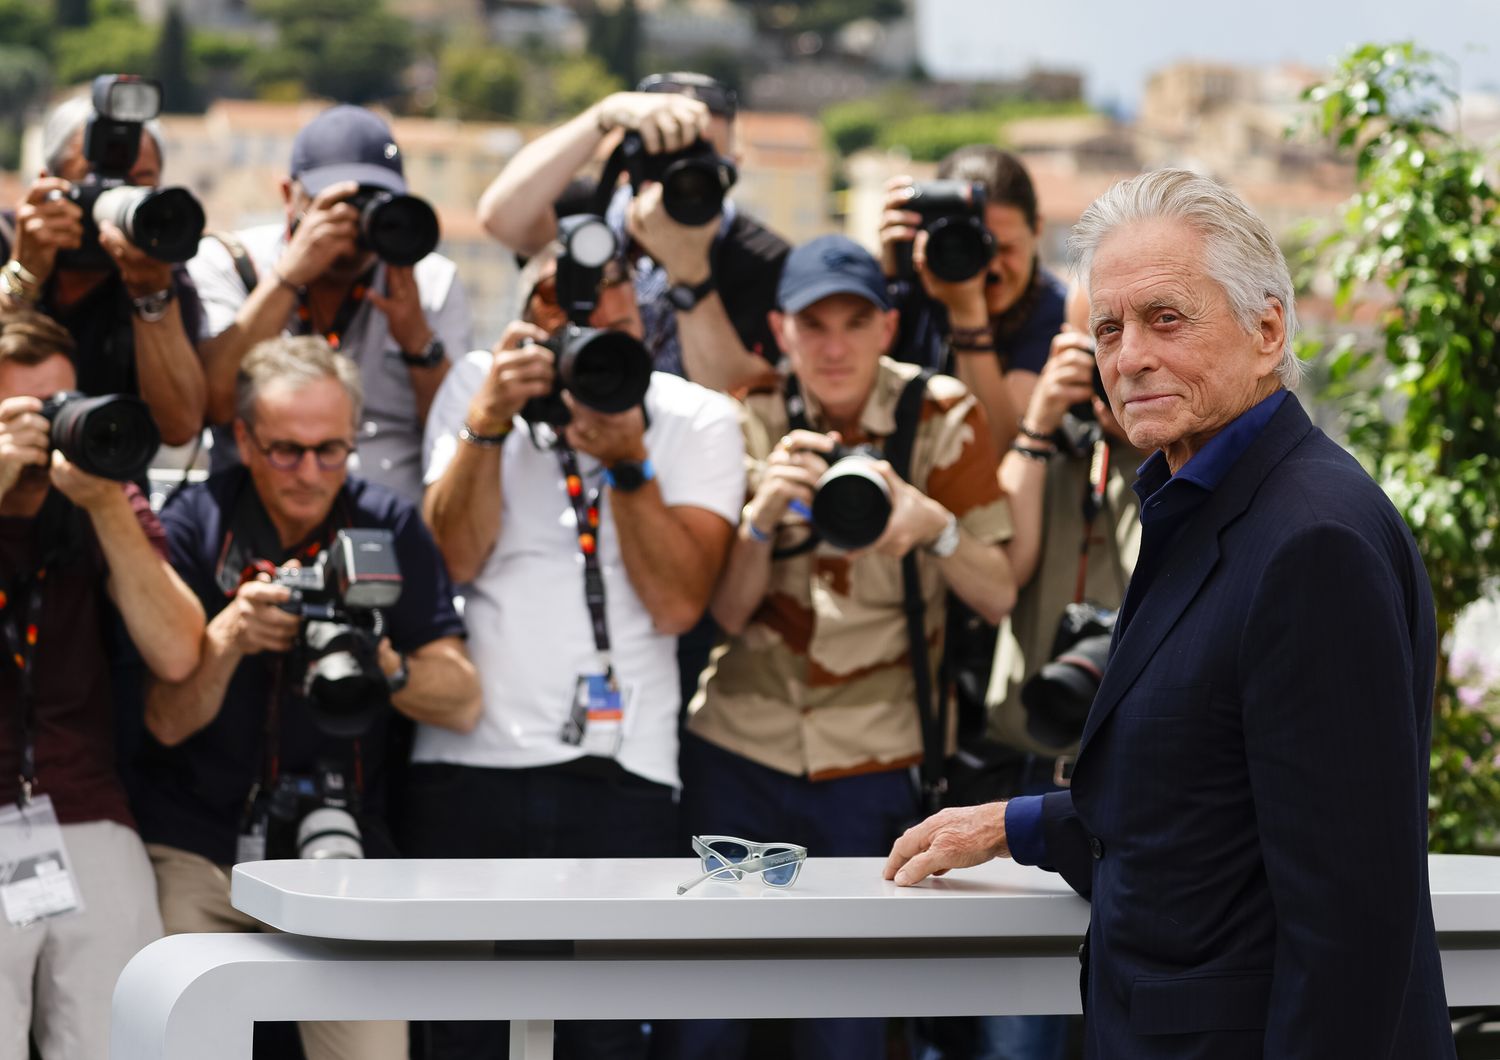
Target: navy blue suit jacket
1248, 810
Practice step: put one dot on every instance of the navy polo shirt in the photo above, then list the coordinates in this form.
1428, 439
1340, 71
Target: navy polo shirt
1020, 344
1167, 502
193, 796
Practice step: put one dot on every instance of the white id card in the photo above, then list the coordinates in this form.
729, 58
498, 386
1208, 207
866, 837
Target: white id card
36, 878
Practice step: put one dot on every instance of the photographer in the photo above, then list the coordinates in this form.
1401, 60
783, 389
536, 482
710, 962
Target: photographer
993, 329
704, 288
249, 724
807, 725
72, 545
321, 272
588, 542
132, 317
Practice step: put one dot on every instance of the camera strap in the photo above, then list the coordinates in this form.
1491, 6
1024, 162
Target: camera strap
343, 316
586, 513
1093, 504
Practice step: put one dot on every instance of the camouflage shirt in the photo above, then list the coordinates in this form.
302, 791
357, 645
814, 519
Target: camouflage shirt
819, 683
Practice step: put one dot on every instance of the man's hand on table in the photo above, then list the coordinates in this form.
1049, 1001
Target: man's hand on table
955, 838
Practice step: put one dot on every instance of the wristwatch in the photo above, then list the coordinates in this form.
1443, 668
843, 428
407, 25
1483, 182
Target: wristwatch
397, 681
684, 297
946, 543
431, 356
627, 476
152, 307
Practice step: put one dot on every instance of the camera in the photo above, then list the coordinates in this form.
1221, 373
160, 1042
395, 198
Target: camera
1058, 697
400, 229
1084, 410
852, 503
308, 817
112, 436
959, 245
166, 223
608, 371
335, 663
694, 179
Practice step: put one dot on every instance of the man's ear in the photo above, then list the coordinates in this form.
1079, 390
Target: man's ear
1272, 332
777, 319
891, 321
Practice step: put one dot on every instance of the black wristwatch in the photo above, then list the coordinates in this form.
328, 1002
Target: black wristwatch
627, 476
684, 297
397, 681
431, 356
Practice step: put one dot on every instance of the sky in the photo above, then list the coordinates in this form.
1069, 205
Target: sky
1115, 45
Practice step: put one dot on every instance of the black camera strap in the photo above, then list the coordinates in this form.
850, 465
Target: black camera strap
586, 513
343, 316
1093, 504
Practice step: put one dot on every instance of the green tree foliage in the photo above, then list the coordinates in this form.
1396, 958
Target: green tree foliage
113, 45
1422, 400
480, 83
173, 67
350, 50
615, 36
25, 24
577, 82
24, 77
73, 14
897, 121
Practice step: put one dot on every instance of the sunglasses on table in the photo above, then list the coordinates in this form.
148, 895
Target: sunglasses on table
729, 859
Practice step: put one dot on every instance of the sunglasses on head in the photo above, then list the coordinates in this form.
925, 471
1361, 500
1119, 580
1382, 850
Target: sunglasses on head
727, 858
615, 273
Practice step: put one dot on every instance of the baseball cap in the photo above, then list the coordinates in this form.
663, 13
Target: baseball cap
826, 266
719, 98
347, 143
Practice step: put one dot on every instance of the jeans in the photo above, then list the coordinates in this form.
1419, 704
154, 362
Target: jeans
590, 810
859, 816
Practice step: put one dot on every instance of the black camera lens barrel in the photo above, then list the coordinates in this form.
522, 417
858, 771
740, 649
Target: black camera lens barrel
113, 436
851, 503
959, 245
166, 223
400, 229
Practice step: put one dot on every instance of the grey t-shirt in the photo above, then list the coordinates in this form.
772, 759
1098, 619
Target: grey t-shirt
390, 434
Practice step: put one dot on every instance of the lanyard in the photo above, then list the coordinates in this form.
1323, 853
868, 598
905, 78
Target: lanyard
21, 635
1093, 503
586, 512
353, 299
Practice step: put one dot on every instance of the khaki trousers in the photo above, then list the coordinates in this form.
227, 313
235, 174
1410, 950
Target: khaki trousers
194, 896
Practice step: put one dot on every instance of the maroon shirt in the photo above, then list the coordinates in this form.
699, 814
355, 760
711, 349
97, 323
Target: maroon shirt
74, 709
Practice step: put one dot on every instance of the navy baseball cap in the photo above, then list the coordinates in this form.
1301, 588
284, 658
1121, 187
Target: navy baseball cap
826, 266
347, 143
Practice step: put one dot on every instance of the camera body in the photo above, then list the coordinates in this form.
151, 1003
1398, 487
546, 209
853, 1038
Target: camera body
113, 436
165, 223
852, 503
400, 229
335, 663
1057, 698
609, 371
694, 179
308, 816
959, 244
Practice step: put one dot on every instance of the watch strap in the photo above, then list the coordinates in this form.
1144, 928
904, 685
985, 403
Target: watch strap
629, 475
430, 356
152, 307
687, 296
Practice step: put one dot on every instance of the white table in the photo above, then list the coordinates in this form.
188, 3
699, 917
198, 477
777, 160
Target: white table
538, 941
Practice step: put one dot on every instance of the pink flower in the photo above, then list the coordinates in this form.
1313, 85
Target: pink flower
1470, 696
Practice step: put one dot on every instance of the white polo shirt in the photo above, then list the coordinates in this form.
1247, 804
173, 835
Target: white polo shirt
529, 631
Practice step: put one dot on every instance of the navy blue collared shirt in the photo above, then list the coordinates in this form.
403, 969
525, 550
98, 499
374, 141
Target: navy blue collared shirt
1167, 501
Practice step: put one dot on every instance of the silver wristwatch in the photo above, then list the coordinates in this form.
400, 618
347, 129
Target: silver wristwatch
946, 543
152, 307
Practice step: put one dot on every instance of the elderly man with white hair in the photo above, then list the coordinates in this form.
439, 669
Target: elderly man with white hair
130, 315
1248, 810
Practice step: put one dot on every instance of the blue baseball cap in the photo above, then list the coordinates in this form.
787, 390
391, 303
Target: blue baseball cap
826, 266
347, 143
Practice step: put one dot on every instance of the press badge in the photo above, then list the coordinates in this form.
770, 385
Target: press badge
596, 721
36, 878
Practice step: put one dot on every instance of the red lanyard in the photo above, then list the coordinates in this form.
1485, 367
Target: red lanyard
22, 635
586, 514
345, 315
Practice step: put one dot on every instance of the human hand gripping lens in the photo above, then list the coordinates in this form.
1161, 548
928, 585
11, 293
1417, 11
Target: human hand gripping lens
728, 858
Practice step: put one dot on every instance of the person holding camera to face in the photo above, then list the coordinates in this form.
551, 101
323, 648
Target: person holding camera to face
354, 262
962, 252
73, 545
328, 605
585, 503
807, 724
128, 303
705, 272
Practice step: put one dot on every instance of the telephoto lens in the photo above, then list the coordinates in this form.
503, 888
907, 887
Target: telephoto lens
343, 683
852, 503
609, 371
959, 246
329, 832
694, 180
400, 229
113, 436
166, 223
1058, 697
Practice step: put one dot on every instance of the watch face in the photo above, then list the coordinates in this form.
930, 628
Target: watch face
628, 476
682, 297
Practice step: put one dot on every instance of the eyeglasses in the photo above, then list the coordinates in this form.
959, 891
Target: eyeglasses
287, 456
729, 859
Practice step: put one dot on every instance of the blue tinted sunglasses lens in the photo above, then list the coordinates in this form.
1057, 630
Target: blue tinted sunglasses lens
781, 875
724, 856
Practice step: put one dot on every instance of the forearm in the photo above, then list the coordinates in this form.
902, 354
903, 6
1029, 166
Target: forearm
424, 386
981, 577
177, 710
1024, 481
462, 509
980, 372
170, 376
667, 567
712, 353
744, 583
442, 686
163, 617
262, 316
517, 206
